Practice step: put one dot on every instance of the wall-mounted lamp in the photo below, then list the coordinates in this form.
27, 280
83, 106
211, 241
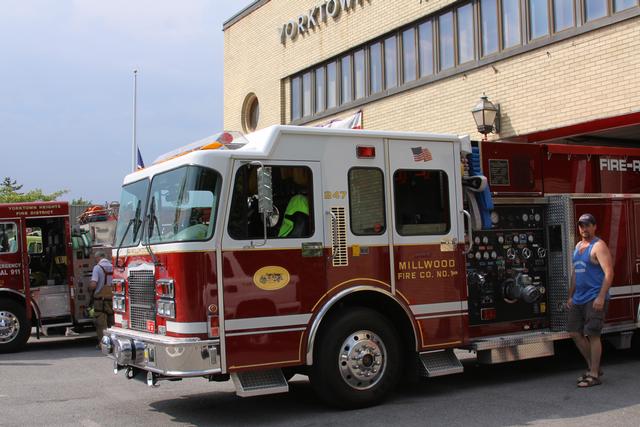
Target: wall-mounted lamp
486, 116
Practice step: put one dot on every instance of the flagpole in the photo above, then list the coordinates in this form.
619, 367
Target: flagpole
134, 156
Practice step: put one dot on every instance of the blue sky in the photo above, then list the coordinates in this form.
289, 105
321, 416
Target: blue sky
66, 86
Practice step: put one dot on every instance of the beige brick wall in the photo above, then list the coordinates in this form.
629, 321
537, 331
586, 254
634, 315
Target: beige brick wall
590, 76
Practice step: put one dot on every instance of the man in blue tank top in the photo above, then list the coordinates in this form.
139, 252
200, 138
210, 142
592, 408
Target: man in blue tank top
589, 297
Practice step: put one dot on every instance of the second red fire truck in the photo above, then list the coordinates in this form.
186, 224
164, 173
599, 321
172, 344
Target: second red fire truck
351, 256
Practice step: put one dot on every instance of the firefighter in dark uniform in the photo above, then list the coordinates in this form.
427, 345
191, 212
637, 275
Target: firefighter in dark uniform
102, 294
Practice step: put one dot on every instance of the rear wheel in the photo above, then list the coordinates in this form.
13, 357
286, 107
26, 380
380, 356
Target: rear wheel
357, 359
14, 326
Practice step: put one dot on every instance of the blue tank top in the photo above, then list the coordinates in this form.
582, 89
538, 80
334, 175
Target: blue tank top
589, 276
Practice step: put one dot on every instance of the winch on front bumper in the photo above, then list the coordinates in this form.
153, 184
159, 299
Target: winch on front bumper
161, 356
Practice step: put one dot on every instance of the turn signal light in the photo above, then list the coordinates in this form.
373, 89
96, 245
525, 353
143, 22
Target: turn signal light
365, 152
165, 288
118, 286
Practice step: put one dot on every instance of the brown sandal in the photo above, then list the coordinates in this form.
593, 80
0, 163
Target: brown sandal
586, 374
589, 381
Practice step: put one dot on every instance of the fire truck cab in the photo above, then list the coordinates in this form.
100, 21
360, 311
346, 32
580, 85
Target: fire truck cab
45, 268
349, 256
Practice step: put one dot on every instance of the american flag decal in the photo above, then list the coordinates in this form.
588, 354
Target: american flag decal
421, 154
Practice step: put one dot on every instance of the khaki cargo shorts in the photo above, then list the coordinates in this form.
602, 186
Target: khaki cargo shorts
584, 319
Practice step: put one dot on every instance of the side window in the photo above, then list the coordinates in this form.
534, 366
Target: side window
8, 238
292, 197
366, 201
34, 240
421, 202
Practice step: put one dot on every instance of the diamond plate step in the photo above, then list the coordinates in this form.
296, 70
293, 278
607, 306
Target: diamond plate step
438, 363
256, 383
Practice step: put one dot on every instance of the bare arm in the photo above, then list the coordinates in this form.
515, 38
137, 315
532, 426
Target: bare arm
603, 255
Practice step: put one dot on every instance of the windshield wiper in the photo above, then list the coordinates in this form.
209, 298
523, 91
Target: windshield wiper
152, 218
126, 231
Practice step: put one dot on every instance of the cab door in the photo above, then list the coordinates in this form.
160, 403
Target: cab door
14, 270
271, 285
428, 259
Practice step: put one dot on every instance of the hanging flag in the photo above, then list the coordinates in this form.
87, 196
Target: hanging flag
352, 122
139, 162
421, 154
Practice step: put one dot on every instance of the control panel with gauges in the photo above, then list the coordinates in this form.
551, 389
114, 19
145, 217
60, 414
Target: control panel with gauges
507, 267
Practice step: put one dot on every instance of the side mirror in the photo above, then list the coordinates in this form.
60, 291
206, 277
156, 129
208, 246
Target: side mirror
265, 191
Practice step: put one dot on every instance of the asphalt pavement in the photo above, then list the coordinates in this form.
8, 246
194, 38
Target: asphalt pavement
65, 381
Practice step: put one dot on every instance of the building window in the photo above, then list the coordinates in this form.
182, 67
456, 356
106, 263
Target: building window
425, 43
358, 68
306, 94
452, 37
292, 196
619, 5
366, 201
320, 90
511, 33
562, 14
595, 9
296, 98
390, 62
332, 85
489, 26
539, 18
445, 23
409, 63
375, 58
250, 113
346, 88
465, 33
422, 202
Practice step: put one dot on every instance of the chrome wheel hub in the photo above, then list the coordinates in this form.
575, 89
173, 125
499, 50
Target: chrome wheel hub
362, 360
9, 326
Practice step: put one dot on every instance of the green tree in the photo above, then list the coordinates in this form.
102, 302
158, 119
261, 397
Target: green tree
10, 193
81, 201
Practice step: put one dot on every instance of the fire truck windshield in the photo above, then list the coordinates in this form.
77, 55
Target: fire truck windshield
182, 205
133, 204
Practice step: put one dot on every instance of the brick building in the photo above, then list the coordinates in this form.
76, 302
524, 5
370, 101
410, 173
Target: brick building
559, 69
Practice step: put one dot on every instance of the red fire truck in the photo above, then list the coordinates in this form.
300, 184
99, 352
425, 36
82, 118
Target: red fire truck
46, 259
352, 256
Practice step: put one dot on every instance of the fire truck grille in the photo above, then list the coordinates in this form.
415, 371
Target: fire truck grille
142, 299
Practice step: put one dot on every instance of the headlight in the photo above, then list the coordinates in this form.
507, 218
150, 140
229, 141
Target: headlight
118, 286
118, 303
166, 309
165, 288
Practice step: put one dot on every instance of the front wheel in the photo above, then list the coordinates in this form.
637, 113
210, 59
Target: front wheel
14, 326
357, 359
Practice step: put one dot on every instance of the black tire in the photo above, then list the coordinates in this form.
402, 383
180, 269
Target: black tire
347, 335
16, 329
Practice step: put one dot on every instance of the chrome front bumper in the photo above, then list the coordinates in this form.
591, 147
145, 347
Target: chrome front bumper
165, 356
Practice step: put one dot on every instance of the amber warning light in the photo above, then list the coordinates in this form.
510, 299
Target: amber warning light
364, 152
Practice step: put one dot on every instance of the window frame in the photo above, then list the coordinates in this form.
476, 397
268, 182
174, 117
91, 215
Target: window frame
18, 243
310, 196
446, 194
384, 201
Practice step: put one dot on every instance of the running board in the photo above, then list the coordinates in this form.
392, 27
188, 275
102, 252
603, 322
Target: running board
438, 363
257, 383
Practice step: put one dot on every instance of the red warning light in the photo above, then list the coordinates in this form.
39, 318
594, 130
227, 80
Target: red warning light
363, 152
225, 138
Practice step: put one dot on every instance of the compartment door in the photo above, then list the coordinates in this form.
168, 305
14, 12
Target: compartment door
427, 228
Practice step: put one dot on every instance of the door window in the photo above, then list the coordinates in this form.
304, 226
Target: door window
421, 202
8, 238
292, 198
366, 201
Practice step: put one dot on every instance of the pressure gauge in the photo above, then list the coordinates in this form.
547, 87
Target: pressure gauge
501, 239
485, 240
537, 217
494, 217
525, 217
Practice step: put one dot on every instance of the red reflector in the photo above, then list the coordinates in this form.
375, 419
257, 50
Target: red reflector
365, 152
151, 326
488, 314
